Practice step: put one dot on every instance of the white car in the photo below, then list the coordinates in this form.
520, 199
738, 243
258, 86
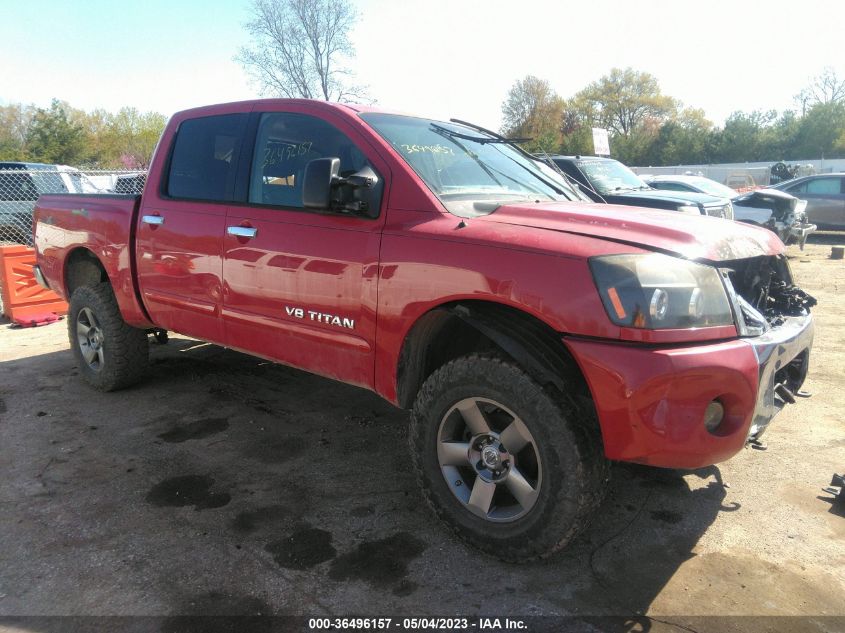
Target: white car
76, 181
780, 212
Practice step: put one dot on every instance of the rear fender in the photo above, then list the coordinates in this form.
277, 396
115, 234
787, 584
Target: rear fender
73, 228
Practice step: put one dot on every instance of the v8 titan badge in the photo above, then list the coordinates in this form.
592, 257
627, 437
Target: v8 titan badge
320, 317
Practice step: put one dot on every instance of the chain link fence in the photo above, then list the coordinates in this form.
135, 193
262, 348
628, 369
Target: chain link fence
21, 185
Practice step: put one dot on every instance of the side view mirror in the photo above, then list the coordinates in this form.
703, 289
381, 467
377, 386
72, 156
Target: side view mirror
321, 175
324, 188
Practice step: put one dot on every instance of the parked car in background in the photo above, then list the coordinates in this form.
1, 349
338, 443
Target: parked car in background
608, 180
76, 181
780, 212
825, 196
20, 185
130, 183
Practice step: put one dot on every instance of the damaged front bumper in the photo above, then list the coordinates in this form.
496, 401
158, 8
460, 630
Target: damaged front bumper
652, 402
783, 354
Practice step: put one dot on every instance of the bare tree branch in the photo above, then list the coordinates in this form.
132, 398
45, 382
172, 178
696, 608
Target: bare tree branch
300, 47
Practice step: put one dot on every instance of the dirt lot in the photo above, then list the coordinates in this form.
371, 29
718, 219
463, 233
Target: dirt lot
225, 484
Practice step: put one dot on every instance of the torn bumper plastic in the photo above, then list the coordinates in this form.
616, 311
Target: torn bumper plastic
652, 402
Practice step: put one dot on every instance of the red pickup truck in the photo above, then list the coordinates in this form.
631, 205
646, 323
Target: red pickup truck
534, 335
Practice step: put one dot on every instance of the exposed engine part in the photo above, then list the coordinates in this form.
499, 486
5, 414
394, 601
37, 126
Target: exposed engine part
766, 284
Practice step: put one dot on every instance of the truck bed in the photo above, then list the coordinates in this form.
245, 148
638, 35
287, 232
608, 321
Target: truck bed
66, 225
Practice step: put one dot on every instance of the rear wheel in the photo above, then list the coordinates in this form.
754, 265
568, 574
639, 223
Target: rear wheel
512, 469
111, 354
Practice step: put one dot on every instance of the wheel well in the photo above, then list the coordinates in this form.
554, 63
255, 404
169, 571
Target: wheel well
83, 269
461, 328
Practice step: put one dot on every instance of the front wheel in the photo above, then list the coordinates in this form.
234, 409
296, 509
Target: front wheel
111, 354
514, 471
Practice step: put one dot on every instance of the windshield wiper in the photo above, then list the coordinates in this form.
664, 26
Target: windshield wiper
478, 139
498, 138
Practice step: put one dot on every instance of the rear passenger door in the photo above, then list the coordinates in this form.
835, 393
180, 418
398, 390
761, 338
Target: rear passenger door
300, 284
825, 196
181, 225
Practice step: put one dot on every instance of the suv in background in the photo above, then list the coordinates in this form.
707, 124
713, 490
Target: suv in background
608, 180
20, 186
825, 196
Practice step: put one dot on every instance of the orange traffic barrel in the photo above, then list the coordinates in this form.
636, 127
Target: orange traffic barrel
22, 296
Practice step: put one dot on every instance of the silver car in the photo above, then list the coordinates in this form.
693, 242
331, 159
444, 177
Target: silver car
825, 196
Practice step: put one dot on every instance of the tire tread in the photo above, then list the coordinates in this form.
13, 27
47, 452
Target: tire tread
592, 470
126, 347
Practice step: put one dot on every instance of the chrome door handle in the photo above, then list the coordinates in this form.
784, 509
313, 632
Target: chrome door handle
242, 231
155, 220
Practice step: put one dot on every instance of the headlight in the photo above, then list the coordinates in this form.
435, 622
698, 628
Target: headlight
690, 208
729, 211
657, 292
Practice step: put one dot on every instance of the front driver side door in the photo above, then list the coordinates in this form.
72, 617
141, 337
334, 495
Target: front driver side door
300, 285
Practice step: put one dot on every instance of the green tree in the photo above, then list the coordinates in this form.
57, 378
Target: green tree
623, 100
15, 120
819, 132
129, 138
533, 110
577, 133
689, 137
779, 138
744, 137
53, 138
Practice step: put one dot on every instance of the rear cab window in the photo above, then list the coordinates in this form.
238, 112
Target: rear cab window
204, 158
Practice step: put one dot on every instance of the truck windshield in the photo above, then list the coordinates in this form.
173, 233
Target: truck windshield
610, 176
471, 172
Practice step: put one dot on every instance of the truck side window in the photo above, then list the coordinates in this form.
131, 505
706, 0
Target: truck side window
204, 158
285, 144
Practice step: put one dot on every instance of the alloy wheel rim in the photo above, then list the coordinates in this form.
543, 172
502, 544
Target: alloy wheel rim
90, 338
489, 460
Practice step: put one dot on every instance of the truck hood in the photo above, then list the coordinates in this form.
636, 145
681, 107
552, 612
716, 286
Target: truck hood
689, 236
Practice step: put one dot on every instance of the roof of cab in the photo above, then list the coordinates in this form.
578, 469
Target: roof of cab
218, 108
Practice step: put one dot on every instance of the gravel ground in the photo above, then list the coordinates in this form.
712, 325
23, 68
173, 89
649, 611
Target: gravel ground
228, 485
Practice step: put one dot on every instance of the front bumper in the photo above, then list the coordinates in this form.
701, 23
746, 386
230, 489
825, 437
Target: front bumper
651, 400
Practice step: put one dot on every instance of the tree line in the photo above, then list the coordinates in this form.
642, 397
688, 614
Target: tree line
65, 135
649, 128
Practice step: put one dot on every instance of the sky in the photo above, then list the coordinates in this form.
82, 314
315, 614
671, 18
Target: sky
439, 58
